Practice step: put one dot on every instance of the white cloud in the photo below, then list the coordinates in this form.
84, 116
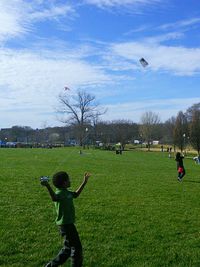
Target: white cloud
32, 82
52, 13
175, 59
180, 24
13, 20
134, 110
26, 70
141, 28
164, 37
130, 6
115, 3
17, 16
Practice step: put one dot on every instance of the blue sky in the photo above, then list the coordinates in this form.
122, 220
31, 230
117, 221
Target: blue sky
96, 45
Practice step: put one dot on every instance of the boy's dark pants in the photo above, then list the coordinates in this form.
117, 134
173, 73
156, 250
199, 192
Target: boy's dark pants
72, 247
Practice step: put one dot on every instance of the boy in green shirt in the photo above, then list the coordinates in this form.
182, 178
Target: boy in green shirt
65, 218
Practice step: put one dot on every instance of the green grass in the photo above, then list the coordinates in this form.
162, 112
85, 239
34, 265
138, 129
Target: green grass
132, 212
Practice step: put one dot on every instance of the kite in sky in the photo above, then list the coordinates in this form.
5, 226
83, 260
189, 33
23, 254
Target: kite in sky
144, 62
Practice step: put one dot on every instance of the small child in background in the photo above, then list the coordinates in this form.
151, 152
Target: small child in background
180, 167
170, 153
63, 199
197, 159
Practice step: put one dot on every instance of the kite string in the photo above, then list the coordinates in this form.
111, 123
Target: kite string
69, 154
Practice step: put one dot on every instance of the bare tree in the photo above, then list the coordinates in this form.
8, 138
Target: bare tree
195, 130
79, 110
181, 131
149, 123
191, 110
168, 131
123, 131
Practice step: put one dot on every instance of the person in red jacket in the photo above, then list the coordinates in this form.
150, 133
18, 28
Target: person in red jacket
180, 167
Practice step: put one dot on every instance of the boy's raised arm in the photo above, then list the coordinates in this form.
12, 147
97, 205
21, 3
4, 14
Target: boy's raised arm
85, 180
50, 190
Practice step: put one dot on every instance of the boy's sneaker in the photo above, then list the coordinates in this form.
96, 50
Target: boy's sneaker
179, 179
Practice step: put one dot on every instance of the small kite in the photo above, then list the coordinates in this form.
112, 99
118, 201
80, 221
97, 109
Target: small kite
144, 62
66, 88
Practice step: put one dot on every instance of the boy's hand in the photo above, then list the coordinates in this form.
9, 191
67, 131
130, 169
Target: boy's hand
44, 183
86, 176
85, 179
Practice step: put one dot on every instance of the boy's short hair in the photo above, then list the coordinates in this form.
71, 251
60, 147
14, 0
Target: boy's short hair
178, 155
59, 178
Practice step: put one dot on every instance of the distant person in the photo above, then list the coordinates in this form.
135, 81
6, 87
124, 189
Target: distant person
197, 159
180, 167
118, 148
170, 152
63, 199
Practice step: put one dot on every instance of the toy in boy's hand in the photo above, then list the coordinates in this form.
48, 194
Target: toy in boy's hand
44, 179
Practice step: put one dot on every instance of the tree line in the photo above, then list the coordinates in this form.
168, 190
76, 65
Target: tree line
82, 125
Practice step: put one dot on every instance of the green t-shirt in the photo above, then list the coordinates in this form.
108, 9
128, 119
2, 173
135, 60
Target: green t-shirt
64, 206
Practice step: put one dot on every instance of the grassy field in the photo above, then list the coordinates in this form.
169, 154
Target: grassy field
133, 211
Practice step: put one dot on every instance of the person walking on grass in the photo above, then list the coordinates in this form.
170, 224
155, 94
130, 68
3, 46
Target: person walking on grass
180, 167
65, 219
